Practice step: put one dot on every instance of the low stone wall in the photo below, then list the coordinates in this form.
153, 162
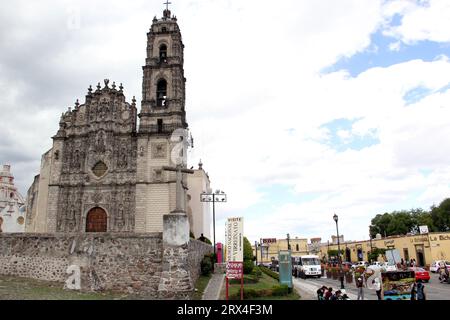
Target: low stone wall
197, 251
119, 262
138, 263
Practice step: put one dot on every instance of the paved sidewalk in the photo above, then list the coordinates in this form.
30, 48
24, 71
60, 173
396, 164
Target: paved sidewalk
212, 291
311, 289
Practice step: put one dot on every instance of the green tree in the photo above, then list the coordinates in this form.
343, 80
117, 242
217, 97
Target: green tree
422, 218
248, 257
405, 221
441, 216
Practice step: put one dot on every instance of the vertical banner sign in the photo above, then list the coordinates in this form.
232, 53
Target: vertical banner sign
285, 264
234, 238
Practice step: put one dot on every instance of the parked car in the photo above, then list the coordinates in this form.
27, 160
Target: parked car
421, 274
383, 266
390, 267
436, 265
347, 265
360, 264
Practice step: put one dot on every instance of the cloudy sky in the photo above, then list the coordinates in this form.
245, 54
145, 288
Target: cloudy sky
299, 109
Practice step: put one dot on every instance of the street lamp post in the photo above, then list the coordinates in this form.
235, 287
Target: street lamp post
335, 218
256, 252
218, 196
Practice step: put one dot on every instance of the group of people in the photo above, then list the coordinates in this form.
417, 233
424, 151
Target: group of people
418, 291
405, 263
325, 293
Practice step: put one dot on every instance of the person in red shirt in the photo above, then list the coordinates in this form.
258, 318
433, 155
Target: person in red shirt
329, 293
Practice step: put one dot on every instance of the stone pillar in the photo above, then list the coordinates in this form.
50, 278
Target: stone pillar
176, 281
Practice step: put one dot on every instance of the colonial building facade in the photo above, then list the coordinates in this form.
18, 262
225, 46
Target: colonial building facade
105, 171
12, 204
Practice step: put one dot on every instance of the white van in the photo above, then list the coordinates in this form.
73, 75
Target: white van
309, 265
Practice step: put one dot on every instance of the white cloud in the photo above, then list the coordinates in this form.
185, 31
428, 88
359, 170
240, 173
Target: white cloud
395, 46
426, 20
255, 99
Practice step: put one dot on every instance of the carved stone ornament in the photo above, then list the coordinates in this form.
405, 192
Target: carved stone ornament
97, 198
159, 150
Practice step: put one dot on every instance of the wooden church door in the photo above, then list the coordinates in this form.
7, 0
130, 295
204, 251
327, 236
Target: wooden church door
96, 220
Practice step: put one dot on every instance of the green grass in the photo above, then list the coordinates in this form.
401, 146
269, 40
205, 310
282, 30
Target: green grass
266, 282
13, 288
200, 286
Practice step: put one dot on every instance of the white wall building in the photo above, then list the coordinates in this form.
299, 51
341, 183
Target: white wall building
199, 212
12, 204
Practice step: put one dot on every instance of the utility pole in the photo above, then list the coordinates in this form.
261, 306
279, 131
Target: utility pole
218, 196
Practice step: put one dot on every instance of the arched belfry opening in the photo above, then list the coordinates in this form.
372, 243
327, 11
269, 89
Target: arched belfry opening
161, 93
97, 220
163, 53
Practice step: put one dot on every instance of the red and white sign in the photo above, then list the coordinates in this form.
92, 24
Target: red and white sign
273, 240
235, 270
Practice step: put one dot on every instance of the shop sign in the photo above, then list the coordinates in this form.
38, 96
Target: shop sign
440, 238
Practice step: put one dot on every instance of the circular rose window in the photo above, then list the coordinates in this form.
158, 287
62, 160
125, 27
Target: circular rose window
20, 220
100, 169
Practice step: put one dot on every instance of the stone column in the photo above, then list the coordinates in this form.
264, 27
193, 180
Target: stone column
176, 281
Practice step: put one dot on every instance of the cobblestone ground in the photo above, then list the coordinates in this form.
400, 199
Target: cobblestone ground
212, 291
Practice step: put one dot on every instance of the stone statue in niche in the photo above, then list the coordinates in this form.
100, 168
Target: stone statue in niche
101, 148
120, 216
72, 213
76, 160
123, 157
103, 110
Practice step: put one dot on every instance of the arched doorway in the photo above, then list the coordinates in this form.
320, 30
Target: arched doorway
420, 255
96, 220
348, 254
360, 254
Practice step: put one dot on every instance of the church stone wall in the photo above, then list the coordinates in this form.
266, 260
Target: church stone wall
197, 250
119, 262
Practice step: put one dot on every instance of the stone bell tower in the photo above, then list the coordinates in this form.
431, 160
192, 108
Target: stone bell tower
162, 116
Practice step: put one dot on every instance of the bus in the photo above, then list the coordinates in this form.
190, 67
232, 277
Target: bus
307, 266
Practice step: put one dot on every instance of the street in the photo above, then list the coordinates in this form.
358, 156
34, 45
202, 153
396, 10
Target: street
434, 290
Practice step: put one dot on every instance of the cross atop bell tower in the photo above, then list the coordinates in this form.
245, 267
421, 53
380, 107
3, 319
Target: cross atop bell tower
163, 87
167, 12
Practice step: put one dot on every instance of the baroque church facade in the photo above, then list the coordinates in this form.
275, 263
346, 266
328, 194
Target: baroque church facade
105, 171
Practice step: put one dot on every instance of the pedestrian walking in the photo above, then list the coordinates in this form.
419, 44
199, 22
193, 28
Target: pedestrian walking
420, 290
360, 287
413, 291
377, 284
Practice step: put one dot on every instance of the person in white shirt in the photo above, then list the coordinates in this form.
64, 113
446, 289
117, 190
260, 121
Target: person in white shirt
377, 284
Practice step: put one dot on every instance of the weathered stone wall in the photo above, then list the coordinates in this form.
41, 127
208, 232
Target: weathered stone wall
138, 263
197, 251
120, 262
